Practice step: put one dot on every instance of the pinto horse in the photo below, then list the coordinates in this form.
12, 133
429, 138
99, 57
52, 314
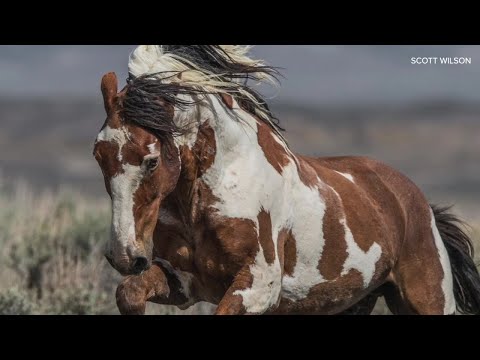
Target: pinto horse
210, 204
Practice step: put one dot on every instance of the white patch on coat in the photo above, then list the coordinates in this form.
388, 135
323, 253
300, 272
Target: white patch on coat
345, 175
266, 286
363, 262
307, 230
447, 281
123, 187
152, 147
120, 136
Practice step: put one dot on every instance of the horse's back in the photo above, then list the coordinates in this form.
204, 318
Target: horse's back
384, 187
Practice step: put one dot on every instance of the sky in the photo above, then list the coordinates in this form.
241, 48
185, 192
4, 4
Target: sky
314, 74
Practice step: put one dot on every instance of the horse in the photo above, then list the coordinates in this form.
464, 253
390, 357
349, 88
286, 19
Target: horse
209, 203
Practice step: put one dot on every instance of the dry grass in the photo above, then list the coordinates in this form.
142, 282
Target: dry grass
51, 254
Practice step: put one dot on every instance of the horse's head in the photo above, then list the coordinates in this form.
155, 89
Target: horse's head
140, 170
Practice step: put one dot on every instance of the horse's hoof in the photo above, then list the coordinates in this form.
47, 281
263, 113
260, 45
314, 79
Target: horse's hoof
130, 299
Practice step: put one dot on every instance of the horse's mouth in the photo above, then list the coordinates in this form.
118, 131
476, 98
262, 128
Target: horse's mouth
121, 271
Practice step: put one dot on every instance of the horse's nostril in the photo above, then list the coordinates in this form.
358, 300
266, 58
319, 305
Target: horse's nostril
140, 264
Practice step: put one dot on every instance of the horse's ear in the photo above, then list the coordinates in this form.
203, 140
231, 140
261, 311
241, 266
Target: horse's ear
109, 90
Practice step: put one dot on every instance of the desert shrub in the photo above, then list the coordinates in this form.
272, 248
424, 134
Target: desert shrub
16, 302
79, 301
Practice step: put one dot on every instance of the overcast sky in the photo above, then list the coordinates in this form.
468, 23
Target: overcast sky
313, 74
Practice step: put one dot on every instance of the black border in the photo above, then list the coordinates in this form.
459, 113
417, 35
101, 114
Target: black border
408, 330
219, 23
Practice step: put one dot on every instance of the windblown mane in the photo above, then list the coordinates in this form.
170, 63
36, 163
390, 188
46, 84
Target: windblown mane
159, 73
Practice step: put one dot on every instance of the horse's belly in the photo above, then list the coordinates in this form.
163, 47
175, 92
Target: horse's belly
327, 297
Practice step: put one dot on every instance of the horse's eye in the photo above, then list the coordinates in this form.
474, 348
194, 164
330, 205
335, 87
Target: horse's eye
151, 163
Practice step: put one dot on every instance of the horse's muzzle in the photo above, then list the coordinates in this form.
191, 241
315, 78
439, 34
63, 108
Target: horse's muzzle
137, 265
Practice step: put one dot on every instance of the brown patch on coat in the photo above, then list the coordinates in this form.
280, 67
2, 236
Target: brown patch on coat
237, 238
339, 295
106, 154
265, 236
327, 298
134, 150
283, 236
205, 148
227, 99
290, 250
274, 152
307, 174
334, 251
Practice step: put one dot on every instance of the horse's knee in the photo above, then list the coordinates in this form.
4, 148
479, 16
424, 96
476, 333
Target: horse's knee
259, 301
131, 297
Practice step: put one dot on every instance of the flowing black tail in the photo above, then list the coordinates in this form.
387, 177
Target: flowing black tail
466, 279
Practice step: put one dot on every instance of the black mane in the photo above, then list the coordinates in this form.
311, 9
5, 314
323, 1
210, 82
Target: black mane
149, 100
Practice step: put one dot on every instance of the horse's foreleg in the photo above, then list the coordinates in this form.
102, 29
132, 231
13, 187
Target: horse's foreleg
135, 290
232, 303
247, 296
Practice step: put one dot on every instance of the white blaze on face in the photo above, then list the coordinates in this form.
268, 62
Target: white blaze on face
123, 187
447, 281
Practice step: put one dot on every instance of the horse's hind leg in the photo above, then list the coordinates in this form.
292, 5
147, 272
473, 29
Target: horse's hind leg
422, 279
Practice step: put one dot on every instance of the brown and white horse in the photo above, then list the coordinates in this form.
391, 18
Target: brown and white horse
210, 204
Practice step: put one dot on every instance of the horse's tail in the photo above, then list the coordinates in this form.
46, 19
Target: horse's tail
466, 279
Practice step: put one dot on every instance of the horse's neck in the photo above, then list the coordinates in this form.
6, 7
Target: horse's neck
229, 129
218, 136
